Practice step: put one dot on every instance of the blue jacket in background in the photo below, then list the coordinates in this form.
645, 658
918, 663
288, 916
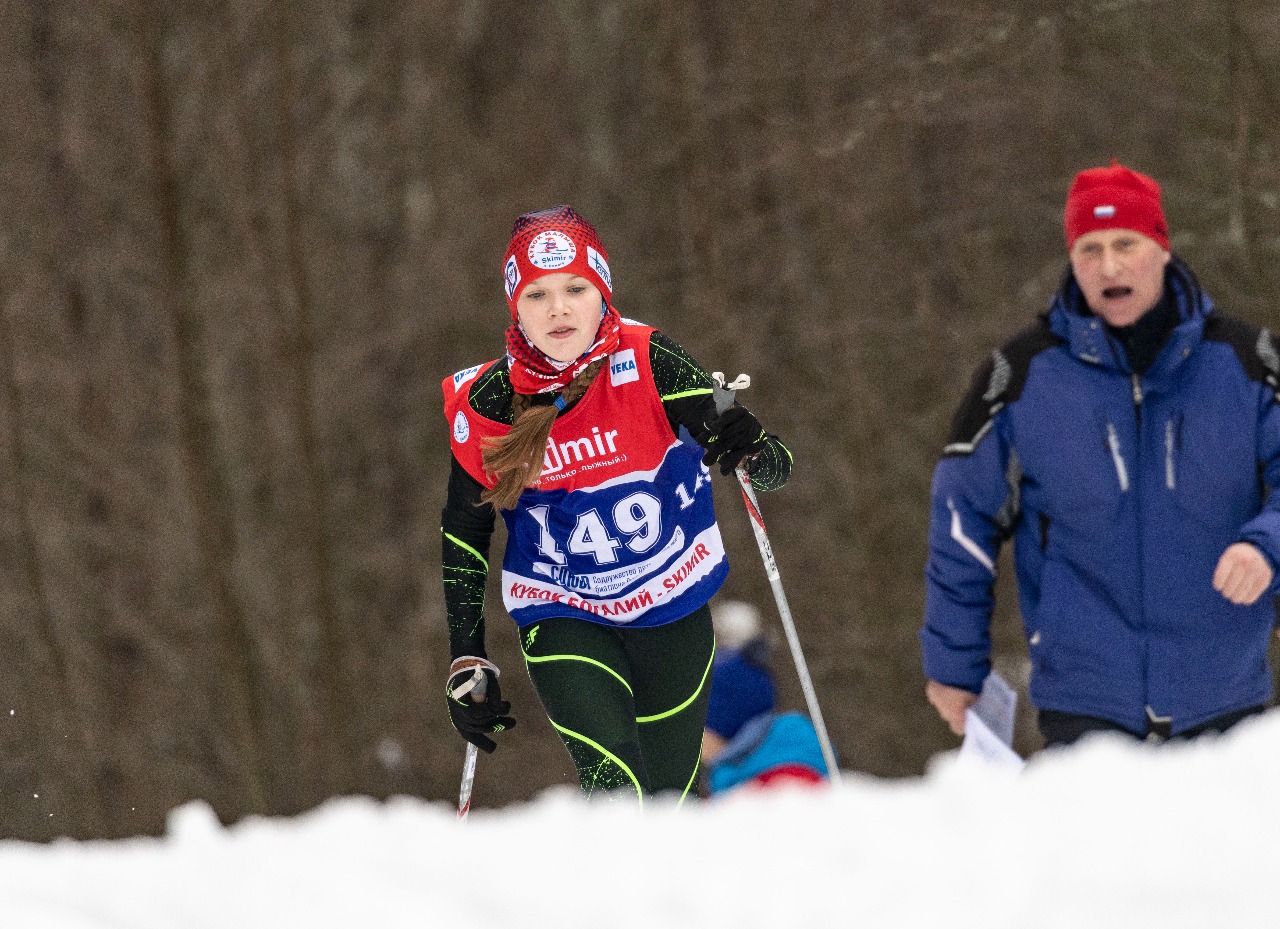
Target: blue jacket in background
766, 742
1121, 492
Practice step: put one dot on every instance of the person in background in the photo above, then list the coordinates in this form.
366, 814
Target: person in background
747, 743
1129, 443
592, 436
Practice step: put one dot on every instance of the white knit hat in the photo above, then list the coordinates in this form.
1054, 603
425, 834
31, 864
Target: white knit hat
736, 623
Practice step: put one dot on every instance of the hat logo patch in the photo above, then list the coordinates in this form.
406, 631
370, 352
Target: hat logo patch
461, 428
1105, 211
552, 250
600, 266
511, 276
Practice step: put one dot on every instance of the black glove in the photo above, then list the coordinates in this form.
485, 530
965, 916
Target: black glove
732, 436
475, 717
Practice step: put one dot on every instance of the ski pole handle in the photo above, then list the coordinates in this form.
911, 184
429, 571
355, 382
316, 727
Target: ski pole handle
723, 393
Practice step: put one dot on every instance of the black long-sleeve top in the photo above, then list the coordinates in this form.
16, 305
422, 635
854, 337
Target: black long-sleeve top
466, 524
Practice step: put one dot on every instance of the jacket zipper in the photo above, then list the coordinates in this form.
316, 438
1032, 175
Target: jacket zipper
1142, 616
1170, 477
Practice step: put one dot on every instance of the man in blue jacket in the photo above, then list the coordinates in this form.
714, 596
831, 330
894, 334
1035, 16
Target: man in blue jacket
1129, 444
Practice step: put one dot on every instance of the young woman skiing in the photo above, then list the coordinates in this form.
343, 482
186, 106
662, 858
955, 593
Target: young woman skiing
592, 437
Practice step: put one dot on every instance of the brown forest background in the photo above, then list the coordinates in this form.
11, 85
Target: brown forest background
242, 241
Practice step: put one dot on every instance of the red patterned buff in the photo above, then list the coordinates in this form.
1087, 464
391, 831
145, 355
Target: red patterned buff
1114, 198
532, 372
551, 241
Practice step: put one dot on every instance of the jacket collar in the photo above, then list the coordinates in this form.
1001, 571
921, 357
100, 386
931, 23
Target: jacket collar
1087, 338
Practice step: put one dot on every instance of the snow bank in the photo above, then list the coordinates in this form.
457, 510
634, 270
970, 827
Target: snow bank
1107, 835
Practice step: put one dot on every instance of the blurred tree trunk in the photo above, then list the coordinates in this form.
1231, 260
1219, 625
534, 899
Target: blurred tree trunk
198, 444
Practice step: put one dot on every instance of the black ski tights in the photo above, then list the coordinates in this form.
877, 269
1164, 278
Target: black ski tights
629, 704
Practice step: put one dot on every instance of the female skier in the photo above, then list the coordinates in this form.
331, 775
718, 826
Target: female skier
583, 436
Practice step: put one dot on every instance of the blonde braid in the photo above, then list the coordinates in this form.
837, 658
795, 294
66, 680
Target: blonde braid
516, 458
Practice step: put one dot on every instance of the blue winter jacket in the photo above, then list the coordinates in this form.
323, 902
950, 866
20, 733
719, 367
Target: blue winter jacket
1121, 492
764, 743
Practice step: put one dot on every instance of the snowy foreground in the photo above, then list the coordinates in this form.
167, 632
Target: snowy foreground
1107, 835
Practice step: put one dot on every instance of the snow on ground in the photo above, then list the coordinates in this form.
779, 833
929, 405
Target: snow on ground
1107, 835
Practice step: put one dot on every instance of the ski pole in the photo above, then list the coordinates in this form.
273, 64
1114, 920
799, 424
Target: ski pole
724, 397
476, 686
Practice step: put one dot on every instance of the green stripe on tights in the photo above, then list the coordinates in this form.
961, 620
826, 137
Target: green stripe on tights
702, 683
603, 751
599, 664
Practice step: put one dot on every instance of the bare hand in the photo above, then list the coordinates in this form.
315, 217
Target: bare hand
1243, 574
951, 703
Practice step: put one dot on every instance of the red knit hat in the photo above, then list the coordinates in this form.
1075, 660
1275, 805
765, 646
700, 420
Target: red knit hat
1114, 198
551, 241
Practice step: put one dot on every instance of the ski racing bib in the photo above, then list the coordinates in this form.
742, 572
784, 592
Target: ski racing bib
620, 529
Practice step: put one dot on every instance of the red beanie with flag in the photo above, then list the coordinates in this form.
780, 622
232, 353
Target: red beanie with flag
1114, 198
553, 241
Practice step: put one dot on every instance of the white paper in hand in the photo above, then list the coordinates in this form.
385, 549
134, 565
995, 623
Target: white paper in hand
988, 725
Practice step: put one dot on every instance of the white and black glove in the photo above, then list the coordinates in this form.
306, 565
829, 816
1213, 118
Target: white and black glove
475, 701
